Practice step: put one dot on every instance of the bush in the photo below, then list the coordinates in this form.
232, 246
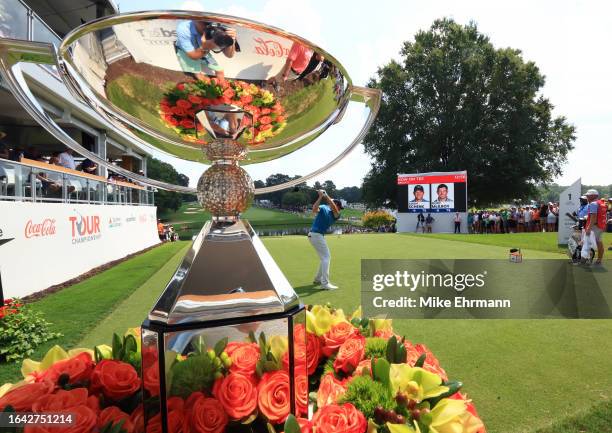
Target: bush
21, 330
377, 218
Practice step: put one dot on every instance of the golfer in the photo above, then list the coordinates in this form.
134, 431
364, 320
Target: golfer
327, 214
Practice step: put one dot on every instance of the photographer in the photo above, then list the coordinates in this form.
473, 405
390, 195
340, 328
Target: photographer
327, 214
197, 39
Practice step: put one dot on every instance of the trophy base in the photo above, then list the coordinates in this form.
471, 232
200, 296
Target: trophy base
227, 273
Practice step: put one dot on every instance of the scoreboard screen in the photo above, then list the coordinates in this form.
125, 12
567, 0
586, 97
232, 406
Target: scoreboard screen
432, 192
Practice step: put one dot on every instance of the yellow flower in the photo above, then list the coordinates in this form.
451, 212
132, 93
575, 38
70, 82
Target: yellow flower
55, 354
451, 416
381, 325
320, 319
278, 346
418, 384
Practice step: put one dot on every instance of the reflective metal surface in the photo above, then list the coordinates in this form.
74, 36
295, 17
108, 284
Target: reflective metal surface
227, 273
167, 73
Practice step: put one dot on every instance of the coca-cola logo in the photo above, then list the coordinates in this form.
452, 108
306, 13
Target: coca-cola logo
270, 48
45, 228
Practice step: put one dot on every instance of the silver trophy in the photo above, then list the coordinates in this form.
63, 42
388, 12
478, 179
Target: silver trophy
222, 91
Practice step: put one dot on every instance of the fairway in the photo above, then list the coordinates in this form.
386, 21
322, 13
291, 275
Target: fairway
560, 366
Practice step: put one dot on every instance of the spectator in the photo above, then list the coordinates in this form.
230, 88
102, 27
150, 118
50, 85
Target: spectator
429, 222
596, 221
551, 218
33, 153
527, 219
54, 160
161, 230
66, 159
420, 222
457, 221
4, 149
88, 166
470, 222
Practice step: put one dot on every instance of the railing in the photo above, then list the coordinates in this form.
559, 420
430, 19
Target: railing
36, 181
18, 21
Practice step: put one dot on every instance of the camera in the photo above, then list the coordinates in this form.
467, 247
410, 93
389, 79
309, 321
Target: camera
218, 33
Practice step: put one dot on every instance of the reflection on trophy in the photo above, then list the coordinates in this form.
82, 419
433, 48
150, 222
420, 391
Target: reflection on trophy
156, 74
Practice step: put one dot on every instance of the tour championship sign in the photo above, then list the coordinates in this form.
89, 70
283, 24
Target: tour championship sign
44, 244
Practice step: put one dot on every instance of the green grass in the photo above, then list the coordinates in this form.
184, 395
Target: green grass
597, 419
538, 241
74, 311
524, 375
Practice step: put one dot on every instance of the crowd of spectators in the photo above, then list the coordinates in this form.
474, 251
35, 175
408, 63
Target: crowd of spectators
515, 219
166, 232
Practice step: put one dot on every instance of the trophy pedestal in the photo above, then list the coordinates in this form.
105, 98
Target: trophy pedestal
226, 270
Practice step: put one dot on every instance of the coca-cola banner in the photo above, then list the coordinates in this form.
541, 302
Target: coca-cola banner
153, 42
44, 244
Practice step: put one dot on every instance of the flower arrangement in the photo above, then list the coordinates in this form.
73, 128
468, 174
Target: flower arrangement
180, 104
362, 378
377, 218
21, 330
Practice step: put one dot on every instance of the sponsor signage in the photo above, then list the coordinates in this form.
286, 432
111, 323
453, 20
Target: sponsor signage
85, 228
114, 222
40, 229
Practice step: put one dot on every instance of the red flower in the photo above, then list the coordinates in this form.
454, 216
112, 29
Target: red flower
274, 396
194, 99
205, 415
265, 111
229, 93
280, 119
350, 354
114, 415
301, 393
336, 336
78, 369
21, 398
60, 400
244, 358
179, 111
180, 86
184, 104
246, 99
238, 395
265, 127
175, 417
264, 120
151, 380
339, 419
93, 402
172, 121
137, 420
115, 379
84, 422
330, 389
187, 123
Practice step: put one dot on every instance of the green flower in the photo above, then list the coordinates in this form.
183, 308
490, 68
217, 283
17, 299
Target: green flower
417, 383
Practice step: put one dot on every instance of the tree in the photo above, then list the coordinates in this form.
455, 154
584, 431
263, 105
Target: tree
352, 194
163, 171
330, 188
458, 103
295, 199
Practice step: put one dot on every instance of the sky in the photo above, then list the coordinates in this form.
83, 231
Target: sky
568, 40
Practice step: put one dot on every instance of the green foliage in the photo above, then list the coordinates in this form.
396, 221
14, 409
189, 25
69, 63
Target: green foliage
365, 394
380, 371
291, 425
328, 367
124, 349
193, 374
117, 427
22, 330
376, 347
166, 200
396, 351
295, 198
455, 102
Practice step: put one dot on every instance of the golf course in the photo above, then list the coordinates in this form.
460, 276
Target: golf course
560, 374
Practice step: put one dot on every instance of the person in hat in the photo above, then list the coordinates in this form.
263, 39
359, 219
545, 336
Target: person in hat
596, 221
4, 149
419, 194
326, 215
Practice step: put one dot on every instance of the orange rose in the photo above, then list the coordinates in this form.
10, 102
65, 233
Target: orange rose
274, 396
115, 379
60, 400
206, 415
84, 421
264, 120
184, 104
187, 124
151, 380
78, 369
330, 389
93, 402
301, 393
113, 415
341, 419
175, 417
244, 358
137, 419
350, 354
238, 395
431, 363
337, 334
21, 399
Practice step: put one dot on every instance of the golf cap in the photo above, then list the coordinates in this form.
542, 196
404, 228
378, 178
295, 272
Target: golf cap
419, 188
592, 192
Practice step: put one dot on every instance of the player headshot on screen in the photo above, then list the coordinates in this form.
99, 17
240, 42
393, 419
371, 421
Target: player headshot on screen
443, 197
419, 194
